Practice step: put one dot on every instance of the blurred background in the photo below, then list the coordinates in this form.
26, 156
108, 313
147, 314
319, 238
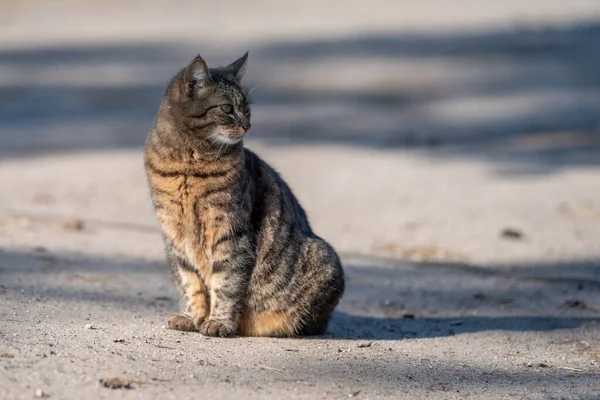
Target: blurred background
509, 82
449, 150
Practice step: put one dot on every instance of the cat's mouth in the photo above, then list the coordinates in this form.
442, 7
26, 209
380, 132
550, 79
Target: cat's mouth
229, 136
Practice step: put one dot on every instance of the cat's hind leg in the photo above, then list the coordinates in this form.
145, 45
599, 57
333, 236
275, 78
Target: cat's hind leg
321, 289
304, 307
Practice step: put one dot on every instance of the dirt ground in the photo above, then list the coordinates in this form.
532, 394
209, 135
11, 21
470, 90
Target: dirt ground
450, 151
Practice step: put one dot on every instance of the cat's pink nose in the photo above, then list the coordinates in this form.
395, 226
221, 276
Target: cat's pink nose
244, 122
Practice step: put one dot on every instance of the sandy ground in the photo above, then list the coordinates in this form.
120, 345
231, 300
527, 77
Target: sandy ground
449, 150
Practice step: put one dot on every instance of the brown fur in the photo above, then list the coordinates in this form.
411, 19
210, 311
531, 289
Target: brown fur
267, 324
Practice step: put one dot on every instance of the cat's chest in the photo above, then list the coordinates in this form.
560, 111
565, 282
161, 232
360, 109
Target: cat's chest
193, 223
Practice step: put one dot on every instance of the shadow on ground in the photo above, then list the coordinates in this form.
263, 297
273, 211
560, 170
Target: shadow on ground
390, 301
525, 99
346, 326
447, 380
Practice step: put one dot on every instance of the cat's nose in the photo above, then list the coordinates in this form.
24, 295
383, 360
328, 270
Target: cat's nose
244, 122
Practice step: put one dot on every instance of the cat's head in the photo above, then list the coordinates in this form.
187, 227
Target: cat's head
213, 101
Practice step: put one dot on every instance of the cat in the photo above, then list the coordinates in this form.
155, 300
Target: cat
242, 253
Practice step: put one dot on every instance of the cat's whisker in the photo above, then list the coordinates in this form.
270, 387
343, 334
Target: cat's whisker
220, 148
253, 89
201, 143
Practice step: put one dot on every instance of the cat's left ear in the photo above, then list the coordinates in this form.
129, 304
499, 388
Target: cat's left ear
238, 67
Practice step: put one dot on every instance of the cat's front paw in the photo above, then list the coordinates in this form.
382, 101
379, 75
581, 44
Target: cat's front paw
216, 328
181, 322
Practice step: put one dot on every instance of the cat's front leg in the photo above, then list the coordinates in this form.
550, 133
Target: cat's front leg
194, 295
229, 280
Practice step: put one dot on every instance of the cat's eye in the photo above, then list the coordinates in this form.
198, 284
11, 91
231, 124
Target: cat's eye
227, 108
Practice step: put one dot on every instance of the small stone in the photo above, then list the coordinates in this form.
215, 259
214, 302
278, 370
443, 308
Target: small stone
40, 394
89, 326
511, 233
74, 224
115, 383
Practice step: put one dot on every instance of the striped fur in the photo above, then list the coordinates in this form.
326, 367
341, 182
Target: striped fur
239, 245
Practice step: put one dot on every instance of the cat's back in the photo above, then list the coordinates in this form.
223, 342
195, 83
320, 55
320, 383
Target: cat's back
274, 199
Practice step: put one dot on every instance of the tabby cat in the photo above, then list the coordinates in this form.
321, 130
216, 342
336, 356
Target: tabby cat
240, 247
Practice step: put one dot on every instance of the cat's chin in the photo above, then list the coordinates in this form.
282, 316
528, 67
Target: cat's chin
220, 139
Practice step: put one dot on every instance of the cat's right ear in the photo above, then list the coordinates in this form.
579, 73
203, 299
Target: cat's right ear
196, 74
